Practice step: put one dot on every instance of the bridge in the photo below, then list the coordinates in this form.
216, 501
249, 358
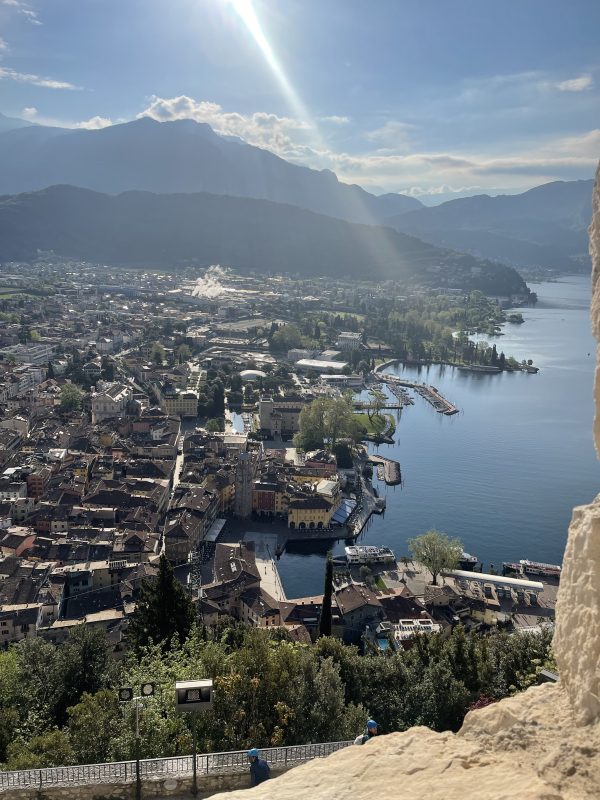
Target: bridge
122, 772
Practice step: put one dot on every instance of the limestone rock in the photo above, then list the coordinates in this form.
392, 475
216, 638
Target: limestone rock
527, 747
577, 638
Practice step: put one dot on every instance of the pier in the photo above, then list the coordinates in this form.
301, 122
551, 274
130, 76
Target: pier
387, 469
428, 393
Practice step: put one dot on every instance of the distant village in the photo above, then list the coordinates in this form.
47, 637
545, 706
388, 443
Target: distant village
147, 414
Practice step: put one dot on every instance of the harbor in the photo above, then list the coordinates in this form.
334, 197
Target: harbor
430, 394
388, 470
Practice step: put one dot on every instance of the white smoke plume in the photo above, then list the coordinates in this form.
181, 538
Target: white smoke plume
211, 284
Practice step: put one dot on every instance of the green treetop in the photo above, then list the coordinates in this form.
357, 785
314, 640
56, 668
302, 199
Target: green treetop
163, 610
436, 551
70, 398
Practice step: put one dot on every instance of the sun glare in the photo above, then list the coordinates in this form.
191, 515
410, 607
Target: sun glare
247, 13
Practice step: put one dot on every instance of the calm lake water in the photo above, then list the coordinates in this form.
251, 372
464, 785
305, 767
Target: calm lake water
504, 474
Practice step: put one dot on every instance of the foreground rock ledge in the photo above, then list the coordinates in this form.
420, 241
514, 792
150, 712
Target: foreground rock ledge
527, 747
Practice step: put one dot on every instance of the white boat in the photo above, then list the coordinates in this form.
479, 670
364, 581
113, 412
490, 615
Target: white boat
539, 568
369, 554
467, 560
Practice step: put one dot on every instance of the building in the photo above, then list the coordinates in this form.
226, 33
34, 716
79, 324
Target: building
280, 417
312, 512
320, 365
179, 402
109, 401
29, 353
245, 470
347, 340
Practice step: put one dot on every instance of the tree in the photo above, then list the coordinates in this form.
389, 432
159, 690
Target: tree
70, 398
325, 421
49, 749
82, 663
217, 424
436, 551
325, 619
286, 338
157, 354
378, 402
183, 353
164, 609
92, 725
50, 371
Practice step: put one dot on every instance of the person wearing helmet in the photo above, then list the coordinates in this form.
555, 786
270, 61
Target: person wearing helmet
371, 730
259, 769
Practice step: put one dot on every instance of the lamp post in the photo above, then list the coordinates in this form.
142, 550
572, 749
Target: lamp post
126, 695
194, 697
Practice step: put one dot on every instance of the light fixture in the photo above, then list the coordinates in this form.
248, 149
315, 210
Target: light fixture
147, 689
125, 694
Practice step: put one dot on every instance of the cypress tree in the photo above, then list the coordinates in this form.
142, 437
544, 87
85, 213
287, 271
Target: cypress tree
325, 619
163, 610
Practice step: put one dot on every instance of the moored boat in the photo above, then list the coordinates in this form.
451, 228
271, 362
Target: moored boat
369, 554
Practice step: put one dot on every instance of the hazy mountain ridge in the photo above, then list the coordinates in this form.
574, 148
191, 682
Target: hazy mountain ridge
543, 227
179, 156
154, 229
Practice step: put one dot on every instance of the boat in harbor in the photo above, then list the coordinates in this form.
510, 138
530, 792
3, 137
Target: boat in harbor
539, 568
467, 561
369, 554
525, 567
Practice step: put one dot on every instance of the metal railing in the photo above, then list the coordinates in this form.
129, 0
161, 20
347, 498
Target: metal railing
155, 768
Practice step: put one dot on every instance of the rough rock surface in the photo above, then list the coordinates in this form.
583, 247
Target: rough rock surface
577, 640
543, 744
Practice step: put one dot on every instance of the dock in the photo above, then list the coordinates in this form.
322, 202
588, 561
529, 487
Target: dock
387, 469
428, 393
435, 399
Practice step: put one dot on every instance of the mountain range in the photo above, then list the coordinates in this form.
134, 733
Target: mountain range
543, 227
147, 229
175, 157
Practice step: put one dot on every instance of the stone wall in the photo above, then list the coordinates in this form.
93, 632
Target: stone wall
171, 787
543, 744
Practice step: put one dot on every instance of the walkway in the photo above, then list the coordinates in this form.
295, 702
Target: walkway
160, 768
265, 545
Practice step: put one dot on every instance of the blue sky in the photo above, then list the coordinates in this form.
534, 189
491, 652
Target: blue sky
436, 98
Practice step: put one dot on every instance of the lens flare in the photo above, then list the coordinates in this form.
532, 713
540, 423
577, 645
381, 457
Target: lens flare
247, 13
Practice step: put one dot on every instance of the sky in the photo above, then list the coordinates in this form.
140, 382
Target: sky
432, 98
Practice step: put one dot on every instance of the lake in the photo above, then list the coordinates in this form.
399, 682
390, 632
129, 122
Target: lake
505, 473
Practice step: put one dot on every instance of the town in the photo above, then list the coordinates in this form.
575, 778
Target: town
148, 414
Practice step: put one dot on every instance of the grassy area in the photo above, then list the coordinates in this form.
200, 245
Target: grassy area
377, 424
379, 583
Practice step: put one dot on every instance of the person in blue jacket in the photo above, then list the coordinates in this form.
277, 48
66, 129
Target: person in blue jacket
259, 769
368, 734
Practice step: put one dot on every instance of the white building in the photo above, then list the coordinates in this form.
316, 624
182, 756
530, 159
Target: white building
110, 400
29, 353
348, 340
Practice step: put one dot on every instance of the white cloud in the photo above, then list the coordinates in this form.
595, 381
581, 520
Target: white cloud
3, 45
579, 84
394, 168
29, 112
334, 119
23, 77
260, 128
94, 123
30, 16
389, 131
